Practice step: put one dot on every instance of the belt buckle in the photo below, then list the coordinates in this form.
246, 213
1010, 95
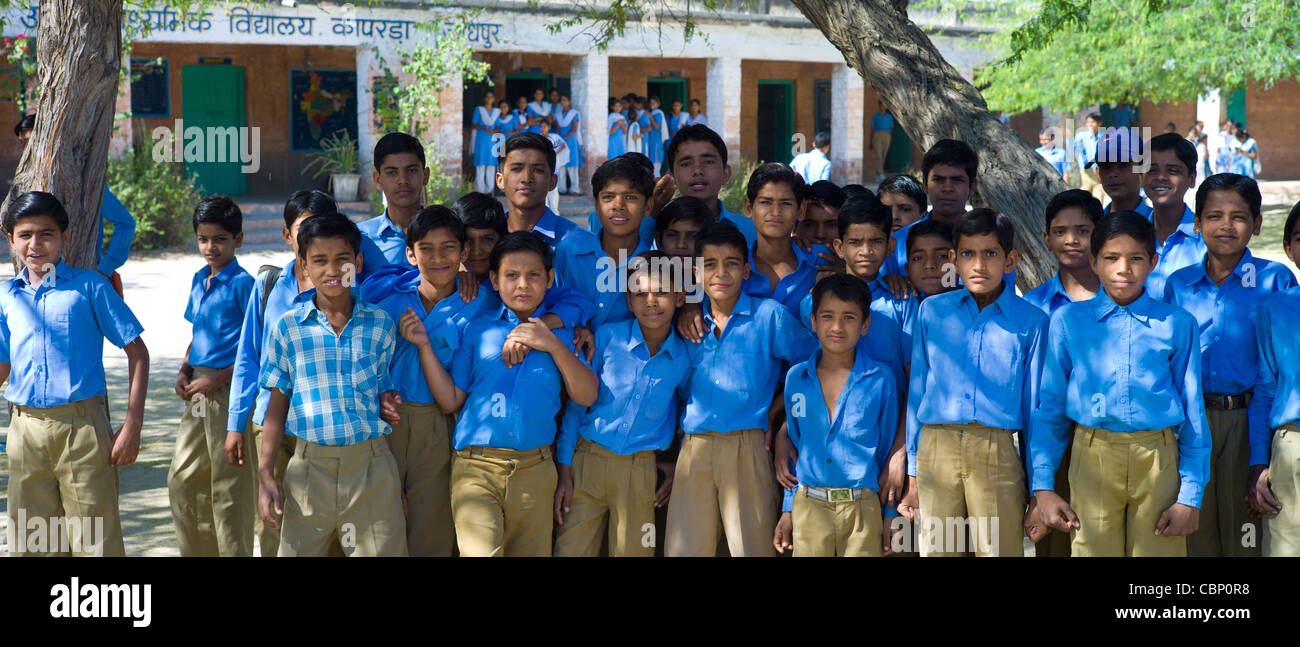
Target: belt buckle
836, 495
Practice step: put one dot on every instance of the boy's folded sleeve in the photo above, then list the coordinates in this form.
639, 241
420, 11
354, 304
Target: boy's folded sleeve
277, 370
571, 306
116, 321
244, 378
119, 244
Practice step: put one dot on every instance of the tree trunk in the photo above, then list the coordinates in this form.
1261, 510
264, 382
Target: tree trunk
932, 101
78, 55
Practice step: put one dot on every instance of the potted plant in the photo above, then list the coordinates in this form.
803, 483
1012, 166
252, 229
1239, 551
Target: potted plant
338, 158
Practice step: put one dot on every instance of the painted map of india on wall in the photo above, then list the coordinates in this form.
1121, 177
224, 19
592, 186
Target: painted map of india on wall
322, 102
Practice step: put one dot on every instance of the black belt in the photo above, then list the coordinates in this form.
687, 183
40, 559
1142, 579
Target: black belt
1226, 401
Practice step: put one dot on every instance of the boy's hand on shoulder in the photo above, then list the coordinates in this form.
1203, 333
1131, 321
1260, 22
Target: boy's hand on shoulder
828, 264
690, 322
1259, 492
388, 401
1054, 511
413, 329
235, 447
1178, 520
584, 339
126, 443
911, 501
563, 491
513, 352
536, 335
468, 285
783, 538
182, 385
665, 188
900, 286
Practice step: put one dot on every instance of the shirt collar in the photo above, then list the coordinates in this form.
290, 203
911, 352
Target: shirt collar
506, 313
671, 344
387, 225
548, 226
60, 269
1104, 306
1203, 278
744, 306
863, 365
228, 272
307, 309
1001, 303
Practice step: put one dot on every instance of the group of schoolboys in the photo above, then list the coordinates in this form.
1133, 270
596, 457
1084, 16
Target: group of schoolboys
482, 380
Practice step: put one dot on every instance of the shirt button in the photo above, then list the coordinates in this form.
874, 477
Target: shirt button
967, 396
638, 396
828, 460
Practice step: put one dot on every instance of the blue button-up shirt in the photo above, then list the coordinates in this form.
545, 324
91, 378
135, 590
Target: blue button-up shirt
444, 324
636, 409
734, 377
1085, 148
1182, 248
217, 312
1124, 369
971, 365
582, 265
897, 264
1055, 156
1226, 317
553, 228
1144, 209
507, 407
119, 244
889, 335
745, 225
245, 396
386, 238
52, 336
1277, 385
849, 449
1050, 296
793, 287
333, 380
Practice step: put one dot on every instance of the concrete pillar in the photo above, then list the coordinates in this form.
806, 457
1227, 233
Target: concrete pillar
589, 84
367, 122
447, 134
847, 134
723, 101
1209, 108
122, 128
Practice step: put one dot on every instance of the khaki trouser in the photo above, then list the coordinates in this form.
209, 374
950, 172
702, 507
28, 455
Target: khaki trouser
268, 536
880, 141
1088, 181
723, 481
1057, 543
1282, 530
1223, 509
609, 492
59, 470
349, 495
211, 499
839, 529
502, 501
972, 492
422, 448
1120, 484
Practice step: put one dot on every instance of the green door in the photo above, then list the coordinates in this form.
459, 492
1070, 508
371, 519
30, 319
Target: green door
775, 120
667, 90
898, 159
1237, 107
212, 98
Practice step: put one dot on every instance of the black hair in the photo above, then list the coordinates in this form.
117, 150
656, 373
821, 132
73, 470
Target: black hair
328, 225
657, 264
304, 201
855, 191
481, 211
775, 173
1074, 198
695, 101
684, 208
1095, 116
693, 133
434, 216
642, 160
27, 122
864, 212
612, 102
531, 141
1125, 223
626, 169
1245, 187
520, 241
1184, 150
1292, 220
33, 204
821, 139
906, 186
219, 210
985, 221
845, 288
395, 143
675, 100
952, 152
724, 234
825, 192
928, 227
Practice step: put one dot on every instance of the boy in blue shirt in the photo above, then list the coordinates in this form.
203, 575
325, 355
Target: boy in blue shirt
273, 294
1274, 487
607, 453
596, 264
949, 173
527, 174
211, 499
929, 259
724, 476
53, 320
677, 225
1071, 216
905, 198
502, 476
977, 354
1223, 293
841, 415
696, 157
1118, 153
821, 209
326, 364
401, 174
1171, 174
782, 270
421, 438
1054, 155
1123, 371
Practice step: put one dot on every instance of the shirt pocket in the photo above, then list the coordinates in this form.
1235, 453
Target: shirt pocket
743, 371
658, 397
1000, 363
365, 371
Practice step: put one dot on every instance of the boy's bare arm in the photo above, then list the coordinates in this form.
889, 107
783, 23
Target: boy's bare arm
269, 498
126, 444
441, 386
4, 372
579, 380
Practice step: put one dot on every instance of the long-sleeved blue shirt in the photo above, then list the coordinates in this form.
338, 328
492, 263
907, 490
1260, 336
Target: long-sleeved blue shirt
791, 288
1124, 369
1277, 384
1182, 248
889, 337
745, 225
735, 376
119, 244
847, 449
974, 366
246, 398
1050, 296
582, 265
217, 313
637, 406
